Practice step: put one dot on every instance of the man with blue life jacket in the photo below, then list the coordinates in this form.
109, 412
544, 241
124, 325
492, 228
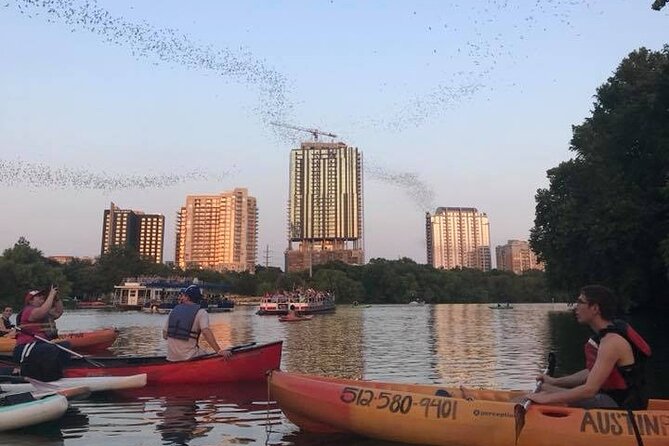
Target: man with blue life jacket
615, 358
39, 359
184, 326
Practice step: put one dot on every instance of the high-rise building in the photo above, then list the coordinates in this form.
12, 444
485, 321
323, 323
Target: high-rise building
325, 210
517, 256
218, 232
458, 238
142, 232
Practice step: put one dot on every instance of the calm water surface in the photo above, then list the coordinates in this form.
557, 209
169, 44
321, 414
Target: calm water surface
447, 344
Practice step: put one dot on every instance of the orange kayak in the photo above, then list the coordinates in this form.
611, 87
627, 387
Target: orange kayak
82, 341
444, 416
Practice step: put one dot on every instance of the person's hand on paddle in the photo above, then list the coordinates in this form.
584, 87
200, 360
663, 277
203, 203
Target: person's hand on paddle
546, 379
225, 353
539, 398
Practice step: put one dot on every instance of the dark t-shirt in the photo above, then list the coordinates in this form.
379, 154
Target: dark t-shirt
6, 324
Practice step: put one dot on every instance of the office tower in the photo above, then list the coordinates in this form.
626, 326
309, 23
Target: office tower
517, 256
458, 238
218, 232
325, 211
144, 233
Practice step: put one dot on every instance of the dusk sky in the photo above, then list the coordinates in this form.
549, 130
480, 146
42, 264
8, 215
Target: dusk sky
452, 103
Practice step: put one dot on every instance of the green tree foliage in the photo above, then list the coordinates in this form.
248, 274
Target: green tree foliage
605, 216
23, 268
380, 281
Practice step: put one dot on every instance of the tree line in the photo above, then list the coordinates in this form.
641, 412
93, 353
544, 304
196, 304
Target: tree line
23, 267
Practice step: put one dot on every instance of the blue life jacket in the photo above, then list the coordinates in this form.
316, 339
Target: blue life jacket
180, 322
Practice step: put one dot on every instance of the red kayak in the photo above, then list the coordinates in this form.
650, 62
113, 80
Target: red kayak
248, 363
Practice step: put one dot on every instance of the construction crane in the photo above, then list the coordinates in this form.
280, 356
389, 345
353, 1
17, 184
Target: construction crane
314, 132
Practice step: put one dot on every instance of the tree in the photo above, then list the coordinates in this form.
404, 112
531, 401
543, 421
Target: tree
605, 216
23, 268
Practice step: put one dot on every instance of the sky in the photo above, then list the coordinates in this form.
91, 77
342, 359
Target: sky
452, 103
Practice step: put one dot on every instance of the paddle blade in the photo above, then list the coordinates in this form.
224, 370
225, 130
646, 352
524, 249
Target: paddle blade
519, 413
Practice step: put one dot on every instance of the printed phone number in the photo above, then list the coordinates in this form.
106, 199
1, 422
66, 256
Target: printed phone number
397, 403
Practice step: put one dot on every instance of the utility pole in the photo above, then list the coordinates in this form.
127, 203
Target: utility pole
267, 252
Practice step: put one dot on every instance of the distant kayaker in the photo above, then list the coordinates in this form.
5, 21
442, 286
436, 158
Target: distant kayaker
292, 314
185, 324
615, 356
6, 326
38, 359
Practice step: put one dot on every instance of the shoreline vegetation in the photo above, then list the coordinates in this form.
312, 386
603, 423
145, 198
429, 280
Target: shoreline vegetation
379, 281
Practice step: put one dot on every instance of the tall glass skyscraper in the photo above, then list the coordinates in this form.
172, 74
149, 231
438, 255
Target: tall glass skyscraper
325, 210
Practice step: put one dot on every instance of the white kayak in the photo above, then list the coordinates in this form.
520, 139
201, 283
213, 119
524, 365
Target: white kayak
16, 416
94, 384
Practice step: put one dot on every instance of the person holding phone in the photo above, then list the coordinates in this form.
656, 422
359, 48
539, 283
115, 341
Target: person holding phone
38, 359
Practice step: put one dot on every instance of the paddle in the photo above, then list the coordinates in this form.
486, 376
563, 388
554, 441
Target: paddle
232, 349
521, 409
65, 349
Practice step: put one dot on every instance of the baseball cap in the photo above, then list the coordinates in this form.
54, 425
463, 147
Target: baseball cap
193, 292
31, 294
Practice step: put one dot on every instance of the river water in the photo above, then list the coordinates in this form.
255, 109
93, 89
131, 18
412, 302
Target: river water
473, 345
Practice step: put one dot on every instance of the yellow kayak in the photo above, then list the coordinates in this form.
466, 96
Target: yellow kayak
419, 414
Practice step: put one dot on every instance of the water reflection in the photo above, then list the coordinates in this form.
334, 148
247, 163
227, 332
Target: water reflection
400, 335
325, 344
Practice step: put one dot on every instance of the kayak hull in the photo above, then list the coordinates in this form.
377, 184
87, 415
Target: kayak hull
416, 414
86, 341
246, 364
94, 384
31, 413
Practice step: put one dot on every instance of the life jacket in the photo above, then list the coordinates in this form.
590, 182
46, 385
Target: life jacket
180, 322
44, 327
626, 384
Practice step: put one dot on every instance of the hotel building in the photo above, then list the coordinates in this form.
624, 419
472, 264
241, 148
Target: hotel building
458, 238
325, 211
218, 232
142, 232
517, 256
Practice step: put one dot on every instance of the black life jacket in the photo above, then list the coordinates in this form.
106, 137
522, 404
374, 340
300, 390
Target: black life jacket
180, 322
626, 384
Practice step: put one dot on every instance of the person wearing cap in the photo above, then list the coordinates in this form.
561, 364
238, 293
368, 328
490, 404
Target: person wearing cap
38, 359
6, 326
186, 322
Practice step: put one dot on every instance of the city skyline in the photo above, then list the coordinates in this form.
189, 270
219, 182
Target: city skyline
454, 104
